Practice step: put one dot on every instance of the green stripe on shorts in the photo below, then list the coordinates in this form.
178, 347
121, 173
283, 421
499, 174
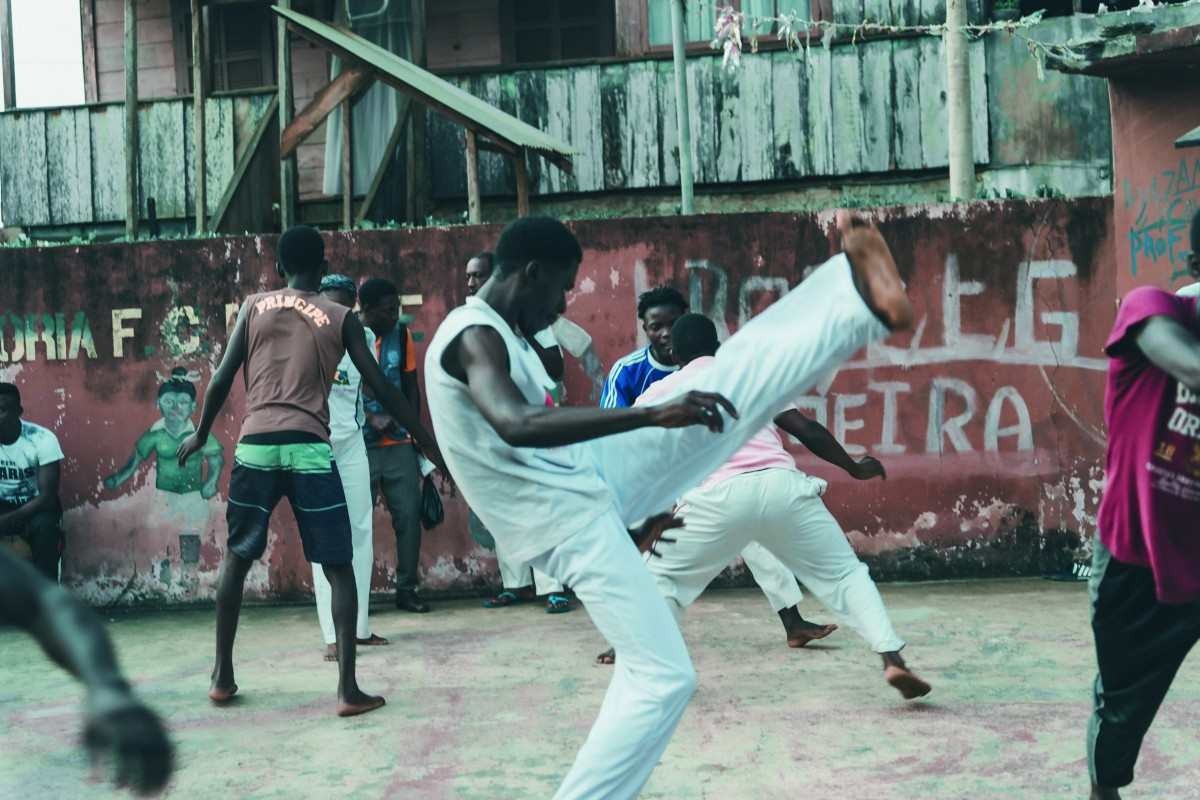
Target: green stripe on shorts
307, 457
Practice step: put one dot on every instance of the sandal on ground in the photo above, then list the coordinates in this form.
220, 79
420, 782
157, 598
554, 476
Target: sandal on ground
558, 604
503, 600
372, 641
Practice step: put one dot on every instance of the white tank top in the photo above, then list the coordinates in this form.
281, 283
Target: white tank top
531, 499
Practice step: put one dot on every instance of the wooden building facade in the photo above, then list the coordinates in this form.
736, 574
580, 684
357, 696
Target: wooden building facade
593, 73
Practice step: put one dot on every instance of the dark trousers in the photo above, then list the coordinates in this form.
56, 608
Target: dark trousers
1140, 644
43, 533
396, 475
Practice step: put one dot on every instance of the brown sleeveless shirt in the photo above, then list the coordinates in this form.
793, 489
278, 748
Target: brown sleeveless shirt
293, 346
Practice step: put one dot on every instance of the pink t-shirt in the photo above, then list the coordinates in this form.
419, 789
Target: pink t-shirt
1148, 515
763, 451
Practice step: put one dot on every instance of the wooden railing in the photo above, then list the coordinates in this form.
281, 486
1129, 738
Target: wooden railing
66, 166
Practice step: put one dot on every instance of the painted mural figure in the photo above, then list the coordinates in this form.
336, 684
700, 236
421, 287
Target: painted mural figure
176, 403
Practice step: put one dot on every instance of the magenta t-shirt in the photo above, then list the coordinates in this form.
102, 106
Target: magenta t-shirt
1150, 512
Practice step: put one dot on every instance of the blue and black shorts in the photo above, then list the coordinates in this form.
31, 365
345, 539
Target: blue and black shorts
307, 476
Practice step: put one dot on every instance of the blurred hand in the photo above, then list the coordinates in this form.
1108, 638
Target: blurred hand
131, 738
650, 535
694, 408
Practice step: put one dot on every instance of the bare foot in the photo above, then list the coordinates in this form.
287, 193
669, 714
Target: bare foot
331, 652
874, 270
609, 656
809, 632
222, 695
372, 641
905, 682
358, 703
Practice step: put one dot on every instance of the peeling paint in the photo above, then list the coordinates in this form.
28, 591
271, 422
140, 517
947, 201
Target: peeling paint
985, 417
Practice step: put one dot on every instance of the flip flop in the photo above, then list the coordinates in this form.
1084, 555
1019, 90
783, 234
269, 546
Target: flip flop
503, 600
1079, 573
558, 604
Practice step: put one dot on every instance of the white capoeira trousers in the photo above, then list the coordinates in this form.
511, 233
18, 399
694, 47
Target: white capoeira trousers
516, 576
772, 576
780, 509
775, 358
350, 455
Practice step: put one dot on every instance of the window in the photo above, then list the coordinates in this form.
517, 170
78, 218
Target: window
241, 51
240, 45
539, 31
700, 18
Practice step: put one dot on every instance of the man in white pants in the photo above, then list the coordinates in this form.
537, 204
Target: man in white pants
346, 420
556, 487
759, 495
636, 373
520, 583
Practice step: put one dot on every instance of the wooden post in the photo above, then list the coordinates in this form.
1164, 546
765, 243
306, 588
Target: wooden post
473, 211
958, 102
416, 180
132, 206
287, 169
683, 116
87, 43
347, 167
522, 183
199, 168
8, 87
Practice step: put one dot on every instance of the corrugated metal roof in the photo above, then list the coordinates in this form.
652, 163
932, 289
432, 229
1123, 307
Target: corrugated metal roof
1189, 139
441, 95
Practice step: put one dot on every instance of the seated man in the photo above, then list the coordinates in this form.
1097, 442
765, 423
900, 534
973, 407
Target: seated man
29, 462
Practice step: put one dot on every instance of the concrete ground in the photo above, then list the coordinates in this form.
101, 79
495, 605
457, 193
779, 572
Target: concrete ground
493, 704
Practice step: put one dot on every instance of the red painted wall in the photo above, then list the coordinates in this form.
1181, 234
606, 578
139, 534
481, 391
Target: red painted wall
988, 417
1156, 187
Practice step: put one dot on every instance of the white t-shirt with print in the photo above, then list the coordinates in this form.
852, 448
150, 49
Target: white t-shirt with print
19, 462
346, 416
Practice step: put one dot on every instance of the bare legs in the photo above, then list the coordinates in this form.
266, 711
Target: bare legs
351, 699
229, 608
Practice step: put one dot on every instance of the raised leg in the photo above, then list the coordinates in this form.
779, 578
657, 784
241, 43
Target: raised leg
776, 357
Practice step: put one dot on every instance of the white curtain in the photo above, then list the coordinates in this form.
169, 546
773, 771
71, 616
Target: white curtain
386, 23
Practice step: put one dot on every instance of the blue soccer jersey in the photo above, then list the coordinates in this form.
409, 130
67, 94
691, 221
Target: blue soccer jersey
631, 376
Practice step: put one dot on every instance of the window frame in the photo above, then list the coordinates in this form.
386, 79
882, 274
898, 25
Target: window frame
508, 30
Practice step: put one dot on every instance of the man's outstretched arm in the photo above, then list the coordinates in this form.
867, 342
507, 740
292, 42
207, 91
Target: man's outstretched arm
480, 358
823, 445
218, 388
118, 724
